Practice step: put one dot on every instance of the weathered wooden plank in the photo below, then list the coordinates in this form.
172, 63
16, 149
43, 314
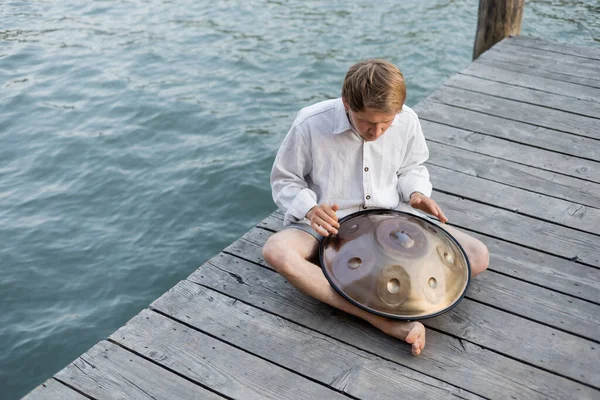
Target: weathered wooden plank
568, 89
538, 304
292, 346
563, 63
107, 371
525, 95
273, 222
513, 174
539, 345
535, 205
449, 359
522, 64
53, 390
552, 46
543, 269
213, 363
521, 229
514, 131
511, 151
516, 111
545, 306
532, 266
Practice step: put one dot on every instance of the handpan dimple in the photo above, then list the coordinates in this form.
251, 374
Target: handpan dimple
446, 255
358, 226
433, 289
393, 285
395, 264
352, 264
432, 282
402, 237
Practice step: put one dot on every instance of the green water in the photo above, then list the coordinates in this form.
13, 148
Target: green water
136, 138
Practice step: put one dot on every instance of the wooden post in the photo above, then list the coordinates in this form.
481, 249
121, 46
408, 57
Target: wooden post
497, 19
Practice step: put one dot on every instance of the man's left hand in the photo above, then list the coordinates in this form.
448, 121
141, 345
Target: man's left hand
420, 201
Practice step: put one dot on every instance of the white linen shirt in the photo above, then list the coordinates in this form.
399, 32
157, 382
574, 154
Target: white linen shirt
323, 160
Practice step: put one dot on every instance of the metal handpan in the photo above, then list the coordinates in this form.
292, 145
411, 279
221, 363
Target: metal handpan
395, 264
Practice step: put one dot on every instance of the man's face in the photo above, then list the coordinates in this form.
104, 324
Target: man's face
370, 124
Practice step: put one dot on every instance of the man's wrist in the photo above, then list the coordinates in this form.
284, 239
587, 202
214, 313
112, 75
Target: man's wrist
308, 212
416, 193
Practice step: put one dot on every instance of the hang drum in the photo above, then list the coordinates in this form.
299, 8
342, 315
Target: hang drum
395, 264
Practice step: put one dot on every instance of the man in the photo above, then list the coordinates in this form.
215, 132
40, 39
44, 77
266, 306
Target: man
362, 151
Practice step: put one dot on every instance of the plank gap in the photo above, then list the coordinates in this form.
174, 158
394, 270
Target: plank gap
73, 388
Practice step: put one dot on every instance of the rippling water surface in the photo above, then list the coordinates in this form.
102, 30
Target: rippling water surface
136, 138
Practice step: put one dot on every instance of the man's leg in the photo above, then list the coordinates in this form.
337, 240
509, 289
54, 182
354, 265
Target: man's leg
477, 252
288, 253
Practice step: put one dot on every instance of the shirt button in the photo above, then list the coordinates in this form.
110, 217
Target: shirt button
368, 197
366, 169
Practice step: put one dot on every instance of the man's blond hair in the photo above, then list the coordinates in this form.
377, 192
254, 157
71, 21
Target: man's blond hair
374, 84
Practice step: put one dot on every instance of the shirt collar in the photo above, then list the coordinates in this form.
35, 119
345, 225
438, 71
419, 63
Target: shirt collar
342, 122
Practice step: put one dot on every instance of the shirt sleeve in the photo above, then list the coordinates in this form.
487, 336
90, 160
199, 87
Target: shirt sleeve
292, 165
412, 176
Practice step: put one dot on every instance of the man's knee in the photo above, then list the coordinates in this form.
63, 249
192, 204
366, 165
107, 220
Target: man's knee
481, 259
271, 250
285, 249
276, 252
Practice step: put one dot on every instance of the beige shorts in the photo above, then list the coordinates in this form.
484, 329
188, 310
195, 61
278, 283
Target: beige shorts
306, 228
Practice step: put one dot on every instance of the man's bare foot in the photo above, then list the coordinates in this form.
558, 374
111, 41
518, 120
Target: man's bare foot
412, 333
416, 337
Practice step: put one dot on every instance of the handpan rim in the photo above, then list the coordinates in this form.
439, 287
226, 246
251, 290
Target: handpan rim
383, 212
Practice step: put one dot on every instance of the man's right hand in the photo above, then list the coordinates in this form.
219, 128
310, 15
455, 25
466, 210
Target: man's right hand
323, 219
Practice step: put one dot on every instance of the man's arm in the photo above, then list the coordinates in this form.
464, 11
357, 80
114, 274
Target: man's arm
288, 184
413, 178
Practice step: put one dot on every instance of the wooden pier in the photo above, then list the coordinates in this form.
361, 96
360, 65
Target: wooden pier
515, 161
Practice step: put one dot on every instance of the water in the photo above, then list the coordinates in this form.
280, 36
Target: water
136, 138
